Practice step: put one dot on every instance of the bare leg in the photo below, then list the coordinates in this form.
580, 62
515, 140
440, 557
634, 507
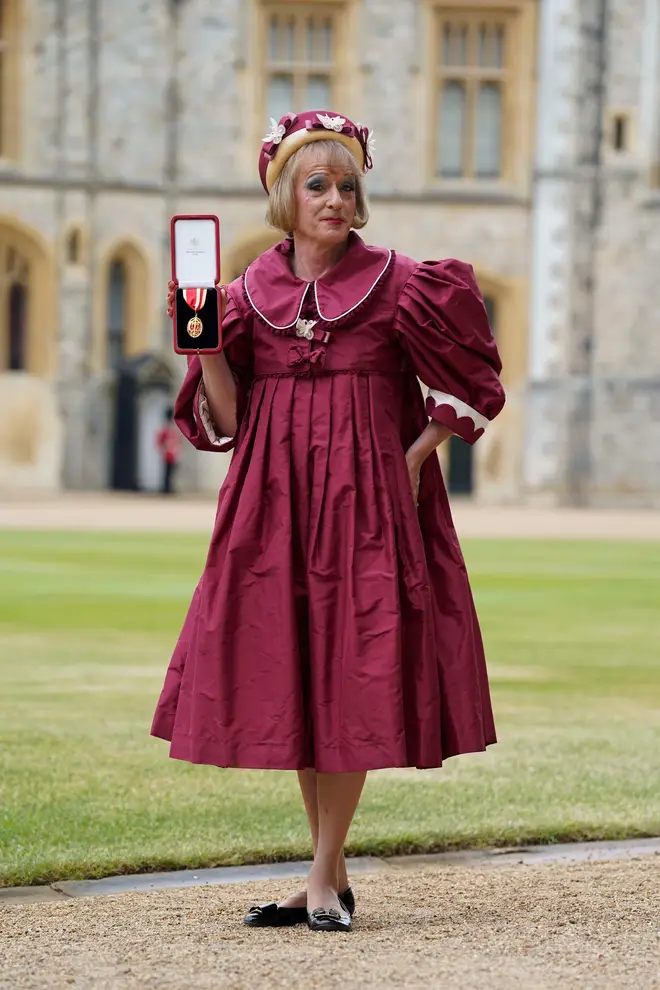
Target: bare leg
307, 781
338, 795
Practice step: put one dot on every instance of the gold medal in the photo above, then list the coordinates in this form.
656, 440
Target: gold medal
195, 327
196, 298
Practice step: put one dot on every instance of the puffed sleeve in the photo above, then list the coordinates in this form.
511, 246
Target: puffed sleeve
191, 409
442, 324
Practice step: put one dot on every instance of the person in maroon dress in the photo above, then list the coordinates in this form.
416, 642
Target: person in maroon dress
333, 630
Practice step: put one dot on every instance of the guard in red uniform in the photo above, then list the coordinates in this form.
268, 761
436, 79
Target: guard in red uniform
168, 441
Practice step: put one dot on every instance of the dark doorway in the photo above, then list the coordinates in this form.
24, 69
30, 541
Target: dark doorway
461, 454
17, 327
461, 473
143, 390
122, 458
116, 316
124, 448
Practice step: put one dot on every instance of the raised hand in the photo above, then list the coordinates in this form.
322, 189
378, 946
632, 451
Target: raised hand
171, 295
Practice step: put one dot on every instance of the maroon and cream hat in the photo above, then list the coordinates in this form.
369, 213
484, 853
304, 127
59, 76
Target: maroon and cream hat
293, 130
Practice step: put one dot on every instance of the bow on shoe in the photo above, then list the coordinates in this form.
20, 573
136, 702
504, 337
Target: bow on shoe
330, 920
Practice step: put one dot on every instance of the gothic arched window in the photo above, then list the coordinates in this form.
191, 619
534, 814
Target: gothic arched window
300, 57
123, 328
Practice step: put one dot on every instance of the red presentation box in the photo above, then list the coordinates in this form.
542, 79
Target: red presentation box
197, 320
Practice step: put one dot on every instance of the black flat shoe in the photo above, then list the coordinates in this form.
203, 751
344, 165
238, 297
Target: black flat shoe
348, 900
273, 916
321, 920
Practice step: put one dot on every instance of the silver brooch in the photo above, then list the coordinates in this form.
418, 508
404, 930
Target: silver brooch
304, 328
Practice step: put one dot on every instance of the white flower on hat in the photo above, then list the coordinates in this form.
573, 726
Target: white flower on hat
276, 132
331, 123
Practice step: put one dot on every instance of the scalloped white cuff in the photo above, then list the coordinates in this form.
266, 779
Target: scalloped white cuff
462, 409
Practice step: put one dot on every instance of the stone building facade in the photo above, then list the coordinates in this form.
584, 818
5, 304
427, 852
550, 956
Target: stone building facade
520, 135
593, 407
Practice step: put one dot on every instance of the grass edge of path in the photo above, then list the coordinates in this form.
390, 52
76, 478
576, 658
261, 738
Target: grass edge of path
384, 848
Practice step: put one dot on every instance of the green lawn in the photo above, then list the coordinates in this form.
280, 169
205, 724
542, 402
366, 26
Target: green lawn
87, 623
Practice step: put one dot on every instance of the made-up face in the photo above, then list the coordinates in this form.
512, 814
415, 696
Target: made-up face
325, 202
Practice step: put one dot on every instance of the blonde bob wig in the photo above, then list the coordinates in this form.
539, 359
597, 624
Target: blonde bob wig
282, 203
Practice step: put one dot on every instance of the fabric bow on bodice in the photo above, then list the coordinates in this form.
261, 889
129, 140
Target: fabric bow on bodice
301, 354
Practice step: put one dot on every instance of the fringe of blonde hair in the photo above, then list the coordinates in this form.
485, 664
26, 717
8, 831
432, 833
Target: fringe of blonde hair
281, 212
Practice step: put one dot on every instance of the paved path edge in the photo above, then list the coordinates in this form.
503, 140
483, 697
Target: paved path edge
569, 852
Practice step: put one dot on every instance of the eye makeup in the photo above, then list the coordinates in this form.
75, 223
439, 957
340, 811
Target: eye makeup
318, 183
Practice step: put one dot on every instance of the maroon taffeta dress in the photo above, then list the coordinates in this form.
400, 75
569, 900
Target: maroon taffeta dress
333, 626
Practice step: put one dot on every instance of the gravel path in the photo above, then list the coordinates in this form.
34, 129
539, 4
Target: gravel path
145, 513
593, 926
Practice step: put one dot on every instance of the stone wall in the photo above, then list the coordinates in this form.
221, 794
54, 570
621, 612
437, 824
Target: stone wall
133, 112
30, 435
102, 148
626, 359
594, 391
